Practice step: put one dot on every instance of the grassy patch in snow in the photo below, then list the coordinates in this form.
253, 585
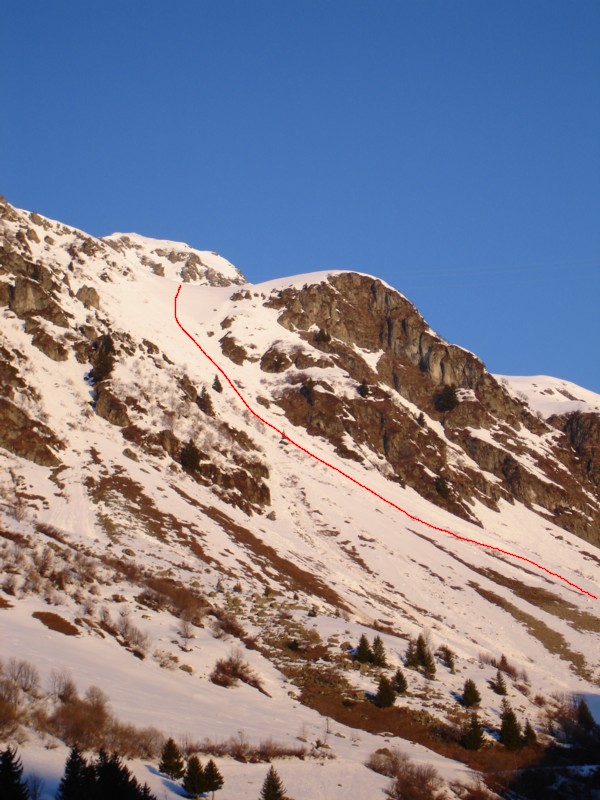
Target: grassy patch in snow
553, 641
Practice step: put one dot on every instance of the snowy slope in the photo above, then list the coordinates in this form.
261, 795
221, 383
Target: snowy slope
321, 541
552, 395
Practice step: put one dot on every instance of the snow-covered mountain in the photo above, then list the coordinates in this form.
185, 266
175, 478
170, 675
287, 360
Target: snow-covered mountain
199, 483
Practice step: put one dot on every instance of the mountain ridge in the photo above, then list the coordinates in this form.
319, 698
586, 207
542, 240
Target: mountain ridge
119, 446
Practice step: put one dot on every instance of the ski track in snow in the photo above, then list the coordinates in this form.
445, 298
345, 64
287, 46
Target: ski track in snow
362, 485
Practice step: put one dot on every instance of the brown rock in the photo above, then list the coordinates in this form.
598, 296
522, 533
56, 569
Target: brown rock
89, 297
110, 407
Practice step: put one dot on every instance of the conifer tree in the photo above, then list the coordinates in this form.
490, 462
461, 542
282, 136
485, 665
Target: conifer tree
448, 657
272, 788
76, 777
171, 762
510, 730
529, 735
470, 695
378, 653
213, 780
410, 659
385, 696
584, 716
472, 738
12, 786
399, 683
217, 384
363, 651
193, 781
499, 684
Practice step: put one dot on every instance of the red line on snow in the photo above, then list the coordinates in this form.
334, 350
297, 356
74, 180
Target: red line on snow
362, 485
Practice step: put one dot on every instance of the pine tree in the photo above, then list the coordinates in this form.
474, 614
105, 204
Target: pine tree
204, 403
363, 651
470, 695
529, 735
472, 738
584, 716
272, 788
410, 659
213, 778
12, 786
363, 389
499, 684
448, 657
171, 762
385, 696
424, 657
76, 777
217, 384
510, 730
194, 782
399, 683
378, 653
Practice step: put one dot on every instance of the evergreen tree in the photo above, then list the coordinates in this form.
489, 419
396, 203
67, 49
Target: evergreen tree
529, 736
190, 456
584, 716
470, 695
213, 778
472, 738
217, 384
385, 696
363, 389
429, 666
421, 419
171, 762
447, 399
378, 653
510, 730
272, 788
363, 651
410, 659
12, 786
499, 684
448, 657
76, 777
399, 683
194, 782
204, 403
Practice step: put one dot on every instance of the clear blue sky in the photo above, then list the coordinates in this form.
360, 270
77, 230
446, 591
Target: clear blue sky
451, 148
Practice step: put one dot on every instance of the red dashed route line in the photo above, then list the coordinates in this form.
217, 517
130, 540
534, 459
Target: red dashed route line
362, 485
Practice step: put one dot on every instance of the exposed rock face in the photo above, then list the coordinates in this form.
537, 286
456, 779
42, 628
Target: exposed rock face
110, 407
583, 431
28, 298
355, 311
26, 438
89, 297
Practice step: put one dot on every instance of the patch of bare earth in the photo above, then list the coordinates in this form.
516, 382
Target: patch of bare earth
56, 623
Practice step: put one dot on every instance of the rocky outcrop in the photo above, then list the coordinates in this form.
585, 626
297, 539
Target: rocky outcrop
583, 432
110, 407
28, 298
27, 438
354, 312
89, 297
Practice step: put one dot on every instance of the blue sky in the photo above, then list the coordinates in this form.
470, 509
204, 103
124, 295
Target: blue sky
451, 148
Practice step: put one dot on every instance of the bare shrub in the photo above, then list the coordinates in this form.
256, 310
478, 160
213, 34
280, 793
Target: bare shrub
132, 636
226, 624
61, 686
165, 659
186, 629
24, 675
410, 781
9, 706
9, 585
228, 671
